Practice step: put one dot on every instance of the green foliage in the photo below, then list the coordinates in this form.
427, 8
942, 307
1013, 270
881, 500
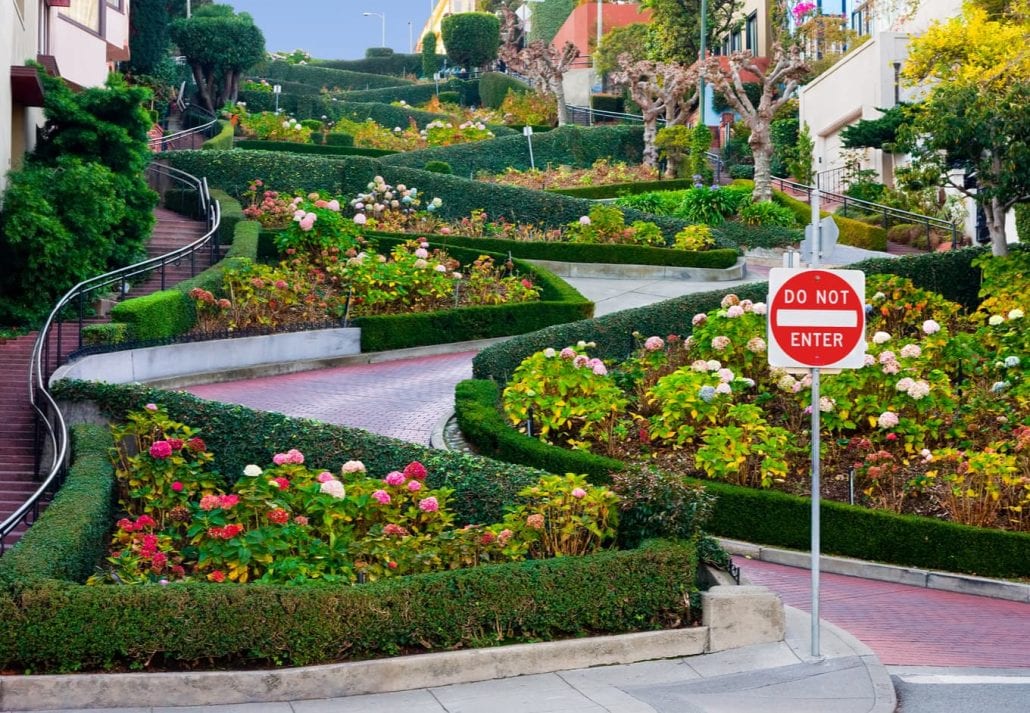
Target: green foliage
323, 75
62, 224
219, 45
378, 52
695, 237
108, 333
471, 38
148, 36
231, 214
223, 140
631, 39
753, 90
450, 97
675, 142
547, 18
659, 504
866, 190
606, 224
709, 205
431, 61
878, 133
676, 27
742, 170
757, 236
784, 133
158, 315
494, 87
68, 542
766, 213
438, 167
336, 138
1023, 222
700, 142
762, 516
608, 102
799, 163
852, 232
657, 189
396, 65
328, 149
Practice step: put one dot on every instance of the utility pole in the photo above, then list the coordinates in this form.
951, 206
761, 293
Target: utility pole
704, 53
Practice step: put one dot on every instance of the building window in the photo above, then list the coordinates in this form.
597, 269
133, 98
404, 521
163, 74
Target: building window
735, 42
752, 33
85, 13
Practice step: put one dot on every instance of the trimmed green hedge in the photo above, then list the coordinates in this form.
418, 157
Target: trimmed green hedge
467, 91
158, 315
231, 213
68, 541
317, 149
576, 146
616, 190
584, 252
771, 517
104, 333
336, 138
223, 139
494, 87
321, 76
1023, 222
852, 232
63, 627
396, 64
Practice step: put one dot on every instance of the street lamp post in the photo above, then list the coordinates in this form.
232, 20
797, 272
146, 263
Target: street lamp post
382, 19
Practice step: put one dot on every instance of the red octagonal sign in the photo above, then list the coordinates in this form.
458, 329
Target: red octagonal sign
816, 318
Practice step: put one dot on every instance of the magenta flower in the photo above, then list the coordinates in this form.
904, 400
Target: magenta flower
394, 478
429, 504
579, 493
415, 470
160, 450
414, 486
177, 487
294, 456
382, 496
151, 407
324, 477
280, 459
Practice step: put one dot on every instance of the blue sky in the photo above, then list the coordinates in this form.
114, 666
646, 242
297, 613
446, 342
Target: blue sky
335, 29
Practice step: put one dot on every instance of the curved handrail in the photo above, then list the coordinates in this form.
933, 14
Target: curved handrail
167, 141
47, 412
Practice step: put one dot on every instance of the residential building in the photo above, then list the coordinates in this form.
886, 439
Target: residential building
79, 40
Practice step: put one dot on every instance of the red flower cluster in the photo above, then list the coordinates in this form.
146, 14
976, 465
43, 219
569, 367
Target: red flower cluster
415, 470
142, 522
394, 529
217, 576
487, 538
225, 533
161, 449
281, 483
196, 445
279, 516
210, 502
175, 443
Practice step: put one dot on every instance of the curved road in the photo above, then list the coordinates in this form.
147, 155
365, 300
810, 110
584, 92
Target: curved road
904, 625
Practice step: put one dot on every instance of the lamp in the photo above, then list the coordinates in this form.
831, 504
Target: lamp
382, 19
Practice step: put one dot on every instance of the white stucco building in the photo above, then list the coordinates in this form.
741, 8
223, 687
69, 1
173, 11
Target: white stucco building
79, 40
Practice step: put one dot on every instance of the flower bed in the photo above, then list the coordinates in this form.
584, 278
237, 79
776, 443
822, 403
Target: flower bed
61, 626
602, 172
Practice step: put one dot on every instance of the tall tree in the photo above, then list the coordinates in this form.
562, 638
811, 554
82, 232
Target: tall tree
974, 115
544, 64
629, 39
676, 27
778, 81
219, 46
148, 35
661, 90
431, 61
471, 38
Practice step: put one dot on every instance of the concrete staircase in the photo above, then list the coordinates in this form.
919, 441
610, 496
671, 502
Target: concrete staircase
17, 434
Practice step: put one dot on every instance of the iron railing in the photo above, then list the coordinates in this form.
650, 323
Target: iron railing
184, 139
888, 213
588, 116
51, 430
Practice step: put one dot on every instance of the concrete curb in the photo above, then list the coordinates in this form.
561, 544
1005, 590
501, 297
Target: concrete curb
275, 369
619, 271
929, 579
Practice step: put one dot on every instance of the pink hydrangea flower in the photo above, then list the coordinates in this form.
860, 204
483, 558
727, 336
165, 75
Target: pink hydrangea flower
394, 478
579, 493
713, 364
653, 344
584, 220
280, 459
422, 253
415, 470
725, 375
756, 345
177, 487
382, 497
758, 308
699, 365
699, 318
911, 351
360, 219
151, 407
535, 521
931, 326
353, 466
160, 450
333, 205
324, 477
394, 529
720, 343
414, 486
580, 360
306, 223
735, 311
729, 300
599, 368
429, 504
723, 388
567, 353
294, 456
887, 419
905, 384
334, 488
868, 360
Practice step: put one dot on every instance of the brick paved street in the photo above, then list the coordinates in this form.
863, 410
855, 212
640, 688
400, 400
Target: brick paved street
909, 626
403, 399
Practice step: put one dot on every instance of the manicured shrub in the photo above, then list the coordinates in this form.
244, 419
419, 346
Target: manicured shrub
494, 87
158, 315
438, 167
68, 543
471, 38
852, 232
327, 149
616, 190
223, 139
1023, 222
335, 138
324, 76
742, 170
397, 64
450, 97
608, 102
757, 236
231, 215
108, 333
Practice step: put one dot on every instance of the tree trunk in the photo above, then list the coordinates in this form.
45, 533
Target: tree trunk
762, 149
994, 212
558, 89
650, 157
205, 95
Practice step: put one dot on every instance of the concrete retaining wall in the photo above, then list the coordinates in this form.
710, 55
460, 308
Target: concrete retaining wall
643, 272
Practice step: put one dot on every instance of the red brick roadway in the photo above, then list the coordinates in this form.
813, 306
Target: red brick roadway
904, 625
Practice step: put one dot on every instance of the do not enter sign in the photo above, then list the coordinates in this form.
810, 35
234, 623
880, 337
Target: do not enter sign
816, 318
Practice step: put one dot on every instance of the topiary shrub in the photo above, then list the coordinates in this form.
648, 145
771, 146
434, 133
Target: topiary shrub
438, 167
742, 170
223, 139
109, 333
335, 138
158, 315
494, 87
450, 97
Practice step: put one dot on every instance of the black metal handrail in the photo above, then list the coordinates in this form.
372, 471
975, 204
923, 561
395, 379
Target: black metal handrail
179, 139
886, 211
51, 439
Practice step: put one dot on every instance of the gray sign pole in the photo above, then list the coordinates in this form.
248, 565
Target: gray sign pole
816, 250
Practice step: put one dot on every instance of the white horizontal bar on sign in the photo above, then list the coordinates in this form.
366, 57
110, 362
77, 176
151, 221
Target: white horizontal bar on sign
816, 318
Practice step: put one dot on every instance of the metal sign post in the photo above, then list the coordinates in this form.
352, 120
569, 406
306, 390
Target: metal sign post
277, 90
817, 248
527, 131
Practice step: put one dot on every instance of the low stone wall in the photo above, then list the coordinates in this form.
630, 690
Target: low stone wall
177, 360
643, 272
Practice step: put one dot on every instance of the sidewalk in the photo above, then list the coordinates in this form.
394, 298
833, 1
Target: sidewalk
766, 678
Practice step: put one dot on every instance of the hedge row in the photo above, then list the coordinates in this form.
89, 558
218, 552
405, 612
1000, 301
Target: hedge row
468, 93
321, 76
583, 252
494, 87
68, 627
852, 232
68, 541
231, 213
950, 274
576, 146
223, 139
616, 190
771, 517
347, 176
317, 149
396, 64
